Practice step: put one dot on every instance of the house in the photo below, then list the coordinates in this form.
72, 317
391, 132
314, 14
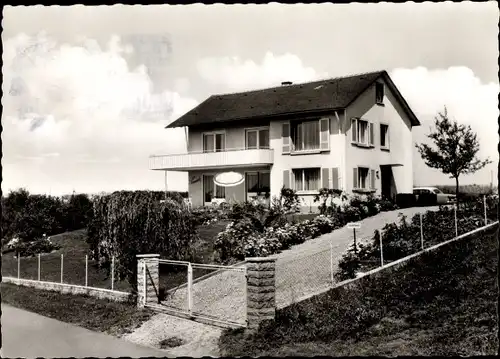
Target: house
352, 133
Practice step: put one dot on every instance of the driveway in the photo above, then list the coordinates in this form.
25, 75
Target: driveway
306, 268
29, 335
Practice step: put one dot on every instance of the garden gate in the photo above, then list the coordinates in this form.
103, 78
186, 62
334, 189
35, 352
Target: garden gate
212, 293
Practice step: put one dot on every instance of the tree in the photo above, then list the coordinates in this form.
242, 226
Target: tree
457, 148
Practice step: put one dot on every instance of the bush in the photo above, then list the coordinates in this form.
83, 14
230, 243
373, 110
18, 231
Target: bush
29, 249
125, 224
405, 200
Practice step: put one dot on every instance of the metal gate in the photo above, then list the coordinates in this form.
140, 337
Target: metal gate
207, 292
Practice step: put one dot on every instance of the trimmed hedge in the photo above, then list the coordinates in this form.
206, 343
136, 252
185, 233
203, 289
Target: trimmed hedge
125, 224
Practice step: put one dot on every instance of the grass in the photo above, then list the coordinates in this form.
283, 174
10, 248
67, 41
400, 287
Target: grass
73, 247
92, 313
442, 303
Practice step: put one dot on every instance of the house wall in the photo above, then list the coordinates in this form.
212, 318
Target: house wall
330, 159
236, 193
235, 137
400, 140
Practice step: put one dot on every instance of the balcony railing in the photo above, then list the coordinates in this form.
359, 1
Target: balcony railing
206, 160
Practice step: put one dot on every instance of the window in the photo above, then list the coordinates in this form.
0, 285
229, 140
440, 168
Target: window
307, 179
384, 136
363, 174
211, 190
306, 135
379, 93
258, 138
364, 179
437, 191
214, 142
362, 132
258, 182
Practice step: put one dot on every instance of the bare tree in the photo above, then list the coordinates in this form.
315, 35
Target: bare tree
457, 148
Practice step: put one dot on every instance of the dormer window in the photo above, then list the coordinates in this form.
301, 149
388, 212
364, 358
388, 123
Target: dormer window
379, 93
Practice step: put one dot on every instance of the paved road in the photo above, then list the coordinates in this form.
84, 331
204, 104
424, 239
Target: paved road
29, 335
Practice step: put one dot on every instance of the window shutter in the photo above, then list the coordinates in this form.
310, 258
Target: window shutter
354, 130
371, 134
355, 178
372, 178
335, 178
285, 135
286, 179
324, 133
325, 178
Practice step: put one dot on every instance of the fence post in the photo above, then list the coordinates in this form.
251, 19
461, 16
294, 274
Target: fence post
331, 262
38, 266
18, 266
485, 212
62, 266
190, 288
421, 231
381, 250
456, 224
112, 273
86, 270
261, 290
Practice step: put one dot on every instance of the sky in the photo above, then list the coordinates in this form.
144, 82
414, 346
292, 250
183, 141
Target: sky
87, 91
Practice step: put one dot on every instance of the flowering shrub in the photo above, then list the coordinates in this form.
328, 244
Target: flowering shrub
28, 249
403, 239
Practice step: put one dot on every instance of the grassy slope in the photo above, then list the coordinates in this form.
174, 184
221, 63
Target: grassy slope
74, 248
443, 303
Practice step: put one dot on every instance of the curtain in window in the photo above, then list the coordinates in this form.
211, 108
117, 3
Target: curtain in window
251, 139
311, 179
307, 136
264, 139
208, 188
208, 143
220, 142
265, 181
220, 192
252, 181
299, 183
362, 131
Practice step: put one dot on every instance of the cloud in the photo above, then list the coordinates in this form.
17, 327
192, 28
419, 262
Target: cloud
83, 99
236, 74
468, 101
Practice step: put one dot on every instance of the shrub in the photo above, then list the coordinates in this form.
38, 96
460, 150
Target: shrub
125, 224
28, 249
326, 198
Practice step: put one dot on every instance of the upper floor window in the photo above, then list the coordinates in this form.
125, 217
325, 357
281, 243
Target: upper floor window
303, 136
257, 138
307, 179
379, 93
384, 136
362, 132
214, 142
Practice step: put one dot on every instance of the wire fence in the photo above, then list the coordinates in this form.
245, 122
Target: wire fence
62, 268
305, 274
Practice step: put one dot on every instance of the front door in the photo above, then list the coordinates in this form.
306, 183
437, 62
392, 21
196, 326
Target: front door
211, 190
386, 179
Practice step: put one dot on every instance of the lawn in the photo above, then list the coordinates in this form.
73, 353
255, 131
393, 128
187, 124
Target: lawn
442, 303
95, 314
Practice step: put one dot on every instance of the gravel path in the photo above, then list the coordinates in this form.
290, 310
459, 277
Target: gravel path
300, 270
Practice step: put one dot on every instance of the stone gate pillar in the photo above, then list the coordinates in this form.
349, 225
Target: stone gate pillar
148, 283
261, 290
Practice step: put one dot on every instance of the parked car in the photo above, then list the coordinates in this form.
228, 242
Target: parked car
441, 198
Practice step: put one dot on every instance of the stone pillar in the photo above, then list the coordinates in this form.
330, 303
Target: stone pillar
261, 290
151, 263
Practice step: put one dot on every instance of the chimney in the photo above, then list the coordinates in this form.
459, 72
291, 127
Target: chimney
286, 83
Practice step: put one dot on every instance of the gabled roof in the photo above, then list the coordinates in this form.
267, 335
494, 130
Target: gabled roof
318, 96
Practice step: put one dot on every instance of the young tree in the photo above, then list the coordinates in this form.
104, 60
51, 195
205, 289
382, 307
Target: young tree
457, 148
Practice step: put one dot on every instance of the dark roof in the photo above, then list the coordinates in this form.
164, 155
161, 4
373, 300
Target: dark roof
311, 97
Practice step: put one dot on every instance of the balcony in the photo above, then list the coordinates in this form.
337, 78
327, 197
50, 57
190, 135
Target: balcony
212, 160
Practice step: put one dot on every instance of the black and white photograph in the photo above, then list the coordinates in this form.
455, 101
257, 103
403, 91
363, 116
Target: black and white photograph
250, 180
